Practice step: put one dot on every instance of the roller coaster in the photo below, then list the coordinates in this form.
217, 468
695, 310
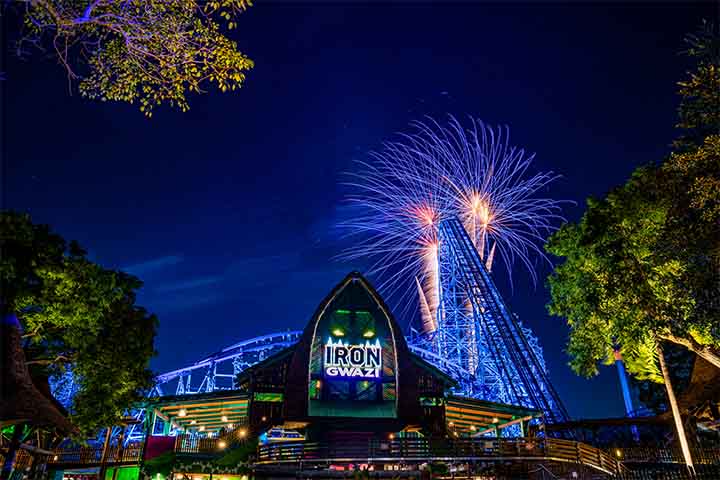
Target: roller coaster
478, 341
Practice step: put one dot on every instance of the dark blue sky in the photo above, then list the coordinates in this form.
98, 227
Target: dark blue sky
227, 211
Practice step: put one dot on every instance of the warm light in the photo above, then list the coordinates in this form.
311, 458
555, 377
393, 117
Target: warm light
263, 419
224, 418
472, 427
55, 457
496, 420
222, 444
318, 384
338, 333
451, 423
182, 412
391, 436
243, 433
369, 334
618, 453
202, 428
193, 422
230, 425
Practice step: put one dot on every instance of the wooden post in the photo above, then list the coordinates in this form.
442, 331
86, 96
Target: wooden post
119, 453
103, 458
12, 451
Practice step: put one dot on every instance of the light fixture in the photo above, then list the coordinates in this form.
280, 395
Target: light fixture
391, 436
230, 425
202, 428
182, 412
338, 332
224, 418
222, 444
243, 433
193, 422
472, 427
264, 419
618, 453
55, 457
496, 420
369, 334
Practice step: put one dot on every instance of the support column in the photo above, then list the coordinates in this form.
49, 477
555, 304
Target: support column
103, 458
12, 451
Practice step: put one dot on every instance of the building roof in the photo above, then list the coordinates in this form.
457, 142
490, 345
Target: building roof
472, 416
206, 412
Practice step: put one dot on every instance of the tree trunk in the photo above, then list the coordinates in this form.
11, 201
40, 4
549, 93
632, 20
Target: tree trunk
700, 350
675, 411
12, 451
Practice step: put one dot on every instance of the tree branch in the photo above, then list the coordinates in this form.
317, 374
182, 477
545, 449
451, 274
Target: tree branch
700, 350
48, 361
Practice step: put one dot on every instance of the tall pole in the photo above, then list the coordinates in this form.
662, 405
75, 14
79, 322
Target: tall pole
676, 412
623, 383
625, 391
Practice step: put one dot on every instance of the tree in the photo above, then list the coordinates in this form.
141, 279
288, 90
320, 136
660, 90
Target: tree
633, 275
76, 314
699, 111
642, 266
148, 52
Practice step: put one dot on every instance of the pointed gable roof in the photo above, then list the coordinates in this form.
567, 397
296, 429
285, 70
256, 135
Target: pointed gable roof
355, 284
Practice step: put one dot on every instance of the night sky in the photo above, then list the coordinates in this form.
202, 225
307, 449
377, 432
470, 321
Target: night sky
228, 212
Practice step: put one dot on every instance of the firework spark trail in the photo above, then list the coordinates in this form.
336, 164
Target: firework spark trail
438, 172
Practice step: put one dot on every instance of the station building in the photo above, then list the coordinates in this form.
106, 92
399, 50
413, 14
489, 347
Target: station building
351, 374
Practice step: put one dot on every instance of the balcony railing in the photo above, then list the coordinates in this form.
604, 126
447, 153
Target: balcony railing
422, 450
703, 456
93, 455
192, 444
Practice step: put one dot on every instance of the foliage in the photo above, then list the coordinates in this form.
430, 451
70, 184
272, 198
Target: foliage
76, 313
651, 394
148, 52
699, 111
643, 264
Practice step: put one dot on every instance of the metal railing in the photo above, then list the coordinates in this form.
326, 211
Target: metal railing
422, 450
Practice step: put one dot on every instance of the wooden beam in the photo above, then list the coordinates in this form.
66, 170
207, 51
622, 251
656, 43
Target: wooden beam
500, 426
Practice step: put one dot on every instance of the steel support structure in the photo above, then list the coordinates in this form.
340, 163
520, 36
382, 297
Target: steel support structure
477, 331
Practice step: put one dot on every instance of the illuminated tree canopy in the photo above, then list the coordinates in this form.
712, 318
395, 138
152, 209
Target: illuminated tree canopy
76, 314
145, 52
643, 264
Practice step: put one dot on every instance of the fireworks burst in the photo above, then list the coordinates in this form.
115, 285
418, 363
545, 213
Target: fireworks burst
438, 172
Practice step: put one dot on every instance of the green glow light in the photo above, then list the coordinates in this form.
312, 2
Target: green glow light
338, 333
369, 334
